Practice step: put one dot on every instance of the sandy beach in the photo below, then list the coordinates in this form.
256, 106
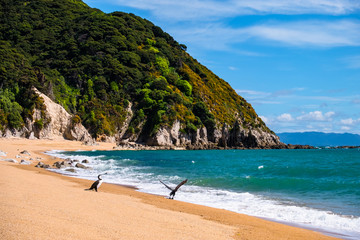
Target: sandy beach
39, 204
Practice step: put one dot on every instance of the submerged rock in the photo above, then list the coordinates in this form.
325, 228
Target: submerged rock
59, 165
79, 165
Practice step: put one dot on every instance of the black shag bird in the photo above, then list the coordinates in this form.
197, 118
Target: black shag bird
173, 190
97, 183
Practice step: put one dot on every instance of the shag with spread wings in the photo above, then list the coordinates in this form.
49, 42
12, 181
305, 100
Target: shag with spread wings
174, 190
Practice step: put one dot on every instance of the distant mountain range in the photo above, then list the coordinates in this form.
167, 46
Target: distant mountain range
320, 138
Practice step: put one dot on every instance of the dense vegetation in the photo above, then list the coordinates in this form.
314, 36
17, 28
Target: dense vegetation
96, 64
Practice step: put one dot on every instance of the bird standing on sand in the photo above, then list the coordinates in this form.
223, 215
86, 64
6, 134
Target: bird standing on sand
96, 184
173, 191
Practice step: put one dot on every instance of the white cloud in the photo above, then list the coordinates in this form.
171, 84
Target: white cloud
210, 31
316, 116
299, 7
310, 33
257, 97
218, 36
213, 9
253, 93
345, 128
350, 121
285, 117
329, 114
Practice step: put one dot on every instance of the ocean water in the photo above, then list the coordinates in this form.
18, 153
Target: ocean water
317, 189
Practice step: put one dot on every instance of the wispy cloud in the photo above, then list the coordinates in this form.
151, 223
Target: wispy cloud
218, 36
294, 95
233, 68
213, 9
205, 22
310, 33
252, 93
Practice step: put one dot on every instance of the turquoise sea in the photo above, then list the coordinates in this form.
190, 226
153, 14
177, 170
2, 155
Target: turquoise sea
317, 189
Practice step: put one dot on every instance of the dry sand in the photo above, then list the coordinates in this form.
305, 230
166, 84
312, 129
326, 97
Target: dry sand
38, 204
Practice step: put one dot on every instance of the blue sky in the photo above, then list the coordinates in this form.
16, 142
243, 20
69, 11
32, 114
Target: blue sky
296, 61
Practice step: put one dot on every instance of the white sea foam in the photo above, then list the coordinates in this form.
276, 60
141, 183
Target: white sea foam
245, 203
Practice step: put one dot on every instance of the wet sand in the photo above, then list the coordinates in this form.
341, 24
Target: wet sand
39, 204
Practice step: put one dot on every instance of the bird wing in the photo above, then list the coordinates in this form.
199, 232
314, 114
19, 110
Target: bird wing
180, 184
94, 184
167, 186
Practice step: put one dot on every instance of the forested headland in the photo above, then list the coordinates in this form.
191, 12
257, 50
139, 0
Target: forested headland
99, 66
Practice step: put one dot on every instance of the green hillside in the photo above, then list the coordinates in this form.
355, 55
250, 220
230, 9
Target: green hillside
96, 64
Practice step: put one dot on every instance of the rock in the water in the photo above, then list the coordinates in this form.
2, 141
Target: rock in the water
66, 163
42, 165
71, 170
46, 166
79, 165
85, 161
59, 165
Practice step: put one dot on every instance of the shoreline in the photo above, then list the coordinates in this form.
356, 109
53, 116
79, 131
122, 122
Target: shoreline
229, 224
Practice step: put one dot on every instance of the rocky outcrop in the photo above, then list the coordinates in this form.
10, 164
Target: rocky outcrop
42, 165
55, 122
225, 136
240, 137
61, 124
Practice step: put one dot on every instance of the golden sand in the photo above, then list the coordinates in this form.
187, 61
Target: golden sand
39, 204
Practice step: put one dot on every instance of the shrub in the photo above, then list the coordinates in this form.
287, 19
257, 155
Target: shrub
184, 86
76, 119
163, 65
39, 124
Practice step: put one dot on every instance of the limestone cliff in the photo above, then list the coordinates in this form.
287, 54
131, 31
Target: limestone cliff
60, 124
56, 123
224, 137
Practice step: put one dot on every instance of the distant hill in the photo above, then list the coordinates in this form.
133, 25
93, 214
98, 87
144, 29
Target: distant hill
320, 139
